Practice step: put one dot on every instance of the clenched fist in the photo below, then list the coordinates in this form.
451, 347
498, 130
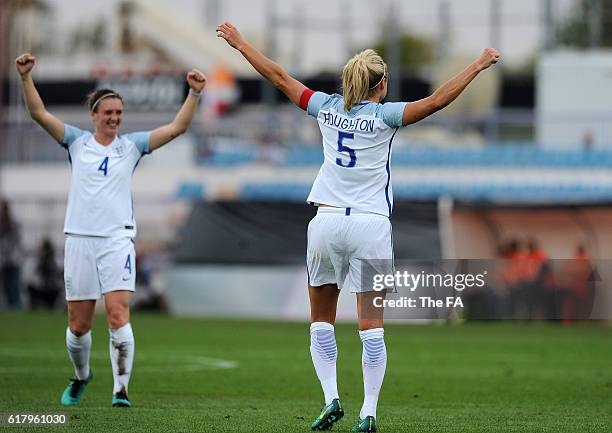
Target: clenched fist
196, 80
488, 57
24, 63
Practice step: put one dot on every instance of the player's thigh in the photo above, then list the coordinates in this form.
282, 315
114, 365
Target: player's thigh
371, 251
326, 259
80, 269
117, 265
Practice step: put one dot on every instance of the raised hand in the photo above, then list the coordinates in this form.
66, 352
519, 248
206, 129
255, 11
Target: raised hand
24, 63
196, 80
488, 57
227, 31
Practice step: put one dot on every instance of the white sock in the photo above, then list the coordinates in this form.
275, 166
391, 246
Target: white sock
78, 351
122, 356
324, 355
374, 363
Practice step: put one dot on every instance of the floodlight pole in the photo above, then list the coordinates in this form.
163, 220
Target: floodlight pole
212, 13
549, 24
298, 41
595, 24
495, 24
395, 53
444, 30
492, 122
346, 25
270, 19
268, 90
3, 53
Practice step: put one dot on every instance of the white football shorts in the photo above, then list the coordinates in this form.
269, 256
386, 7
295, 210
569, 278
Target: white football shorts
94, 266
345, 245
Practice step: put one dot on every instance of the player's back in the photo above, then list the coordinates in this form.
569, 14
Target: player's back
356, 170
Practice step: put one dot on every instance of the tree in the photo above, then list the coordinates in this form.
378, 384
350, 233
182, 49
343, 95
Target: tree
590, 22
89, 36
415, 52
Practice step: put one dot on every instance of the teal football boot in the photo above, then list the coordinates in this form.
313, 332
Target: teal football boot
120, 399
74, 391
368, 424
330, 414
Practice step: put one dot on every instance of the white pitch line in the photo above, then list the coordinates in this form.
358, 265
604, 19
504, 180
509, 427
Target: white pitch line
160, 361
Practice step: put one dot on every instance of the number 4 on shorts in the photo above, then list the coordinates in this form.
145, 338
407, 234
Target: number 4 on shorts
128, 264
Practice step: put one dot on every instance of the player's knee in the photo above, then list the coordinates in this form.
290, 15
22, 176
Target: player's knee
328, 317
79, 328
365, 324
117, 318
116, 322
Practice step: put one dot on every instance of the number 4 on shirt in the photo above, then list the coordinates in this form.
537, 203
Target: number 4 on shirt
104, 166
342, 148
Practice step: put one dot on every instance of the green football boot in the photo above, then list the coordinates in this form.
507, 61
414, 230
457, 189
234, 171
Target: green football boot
365, 425
120, 399
330, 414
74, 391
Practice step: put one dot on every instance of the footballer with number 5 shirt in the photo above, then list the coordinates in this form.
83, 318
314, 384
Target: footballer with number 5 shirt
354, 196
100, 228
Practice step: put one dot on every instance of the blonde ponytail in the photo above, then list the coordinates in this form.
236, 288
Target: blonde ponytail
361, 76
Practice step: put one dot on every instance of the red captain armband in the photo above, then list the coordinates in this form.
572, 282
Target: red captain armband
306, 94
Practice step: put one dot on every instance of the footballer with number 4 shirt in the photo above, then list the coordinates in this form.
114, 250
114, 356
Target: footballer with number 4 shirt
100, 259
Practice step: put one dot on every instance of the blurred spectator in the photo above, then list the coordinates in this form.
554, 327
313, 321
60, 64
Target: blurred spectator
511, 274
149, 295
46, 282
480, 303
503, 280
221, 94
537, 260
220, 98
11, 256
577, 286
537, 280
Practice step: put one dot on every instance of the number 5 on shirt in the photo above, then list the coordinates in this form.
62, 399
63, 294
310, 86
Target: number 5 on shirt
341, 148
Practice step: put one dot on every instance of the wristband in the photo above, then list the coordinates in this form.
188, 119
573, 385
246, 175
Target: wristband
194, 93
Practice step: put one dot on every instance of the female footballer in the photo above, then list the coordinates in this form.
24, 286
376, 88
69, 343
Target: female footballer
100, 227
353, 193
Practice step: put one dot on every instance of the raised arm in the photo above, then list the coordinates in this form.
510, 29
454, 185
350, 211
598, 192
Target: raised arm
449, 91
266, 67
55, 127
182, 120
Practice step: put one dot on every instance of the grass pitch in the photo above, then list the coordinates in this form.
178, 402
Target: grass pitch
194, 375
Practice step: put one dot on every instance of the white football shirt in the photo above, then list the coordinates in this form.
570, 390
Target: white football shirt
100, 197
356, 171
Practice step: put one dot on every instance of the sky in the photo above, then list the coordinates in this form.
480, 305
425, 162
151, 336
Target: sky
335, 28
